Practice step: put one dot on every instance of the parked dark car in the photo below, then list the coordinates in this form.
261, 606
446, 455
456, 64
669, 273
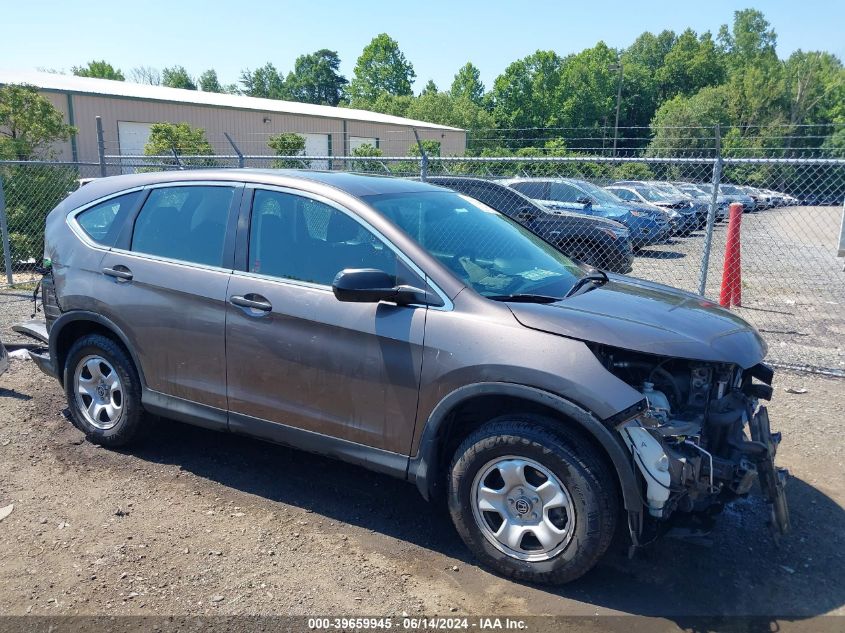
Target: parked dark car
601, 243
409, 329
646, 227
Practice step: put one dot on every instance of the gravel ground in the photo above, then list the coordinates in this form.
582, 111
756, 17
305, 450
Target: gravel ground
793, 285
196, 522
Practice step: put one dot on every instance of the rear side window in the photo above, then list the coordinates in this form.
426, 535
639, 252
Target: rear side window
564, 192
536, 190
184, 223
100, 221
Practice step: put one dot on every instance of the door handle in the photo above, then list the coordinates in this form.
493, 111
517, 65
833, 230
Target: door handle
253, 301
119, 272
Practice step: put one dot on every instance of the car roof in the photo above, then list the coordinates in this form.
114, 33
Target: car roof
358, 185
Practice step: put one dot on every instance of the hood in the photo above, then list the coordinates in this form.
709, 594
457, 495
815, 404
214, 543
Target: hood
608, 210
651, 318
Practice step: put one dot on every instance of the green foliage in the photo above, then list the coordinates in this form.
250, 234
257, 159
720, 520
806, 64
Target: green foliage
99, 69
209, 82
287, 144
181, 138
29, 124
690, 65
177, 77
381, 69
265, 82
316, 79
431, 147
430, 88
367, 165
467, 84
31, 192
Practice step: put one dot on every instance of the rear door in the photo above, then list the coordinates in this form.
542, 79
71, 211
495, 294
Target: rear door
165, 286
299, 359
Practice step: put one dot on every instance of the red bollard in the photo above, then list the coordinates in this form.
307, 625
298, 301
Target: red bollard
731, 292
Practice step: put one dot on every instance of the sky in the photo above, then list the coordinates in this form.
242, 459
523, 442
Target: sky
437, 36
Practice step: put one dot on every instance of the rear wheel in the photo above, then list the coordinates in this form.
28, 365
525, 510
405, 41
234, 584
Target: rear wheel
532, 500
103, 391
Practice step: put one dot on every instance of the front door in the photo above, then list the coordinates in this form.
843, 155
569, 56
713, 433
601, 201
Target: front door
297, 358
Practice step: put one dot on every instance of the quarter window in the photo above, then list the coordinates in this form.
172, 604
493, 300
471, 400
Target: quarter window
293, 237
185, 223
99, 222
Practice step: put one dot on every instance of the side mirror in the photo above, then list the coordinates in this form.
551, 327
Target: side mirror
368, 285
585, 200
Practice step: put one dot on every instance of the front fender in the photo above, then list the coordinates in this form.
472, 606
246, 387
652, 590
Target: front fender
422, 467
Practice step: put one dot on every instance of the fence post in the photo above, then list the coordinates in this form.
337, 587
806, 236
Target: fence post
101, 146
4, 229
423, 160
711, 214
235, 147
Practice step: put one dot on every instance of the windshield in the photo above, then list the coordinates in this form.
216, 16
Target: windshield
731, 190
691, 189
602, 195
489, 252
650, 193
669, 189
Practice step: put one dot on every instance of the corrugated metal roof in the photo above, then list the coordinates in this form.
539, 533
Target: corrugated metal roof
129, 90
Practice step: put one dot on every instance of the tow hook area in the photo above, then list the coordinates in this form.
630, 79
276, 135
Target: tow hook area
772, 479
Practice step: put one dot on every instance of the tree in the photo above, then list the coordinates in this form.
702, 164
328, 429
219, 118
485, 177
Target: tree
265, 82
287, 144
316, 79
182, 139
29, 124
381, 69
177, 77
749, 40
100, 69
691, 64
467, 84
526, 95
686, 124
209, 82
815, 83
145, 75
430, 88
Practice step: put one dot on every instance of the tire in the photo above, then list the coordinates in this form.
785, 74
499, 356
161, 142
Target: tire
568, 461
109, 411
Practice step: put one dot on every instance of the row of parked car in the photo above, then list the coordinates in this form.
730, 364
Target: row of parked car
605, 225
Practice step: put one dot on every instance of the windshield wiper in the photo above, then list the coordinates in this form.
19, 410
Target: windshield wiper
597, 277
524, 298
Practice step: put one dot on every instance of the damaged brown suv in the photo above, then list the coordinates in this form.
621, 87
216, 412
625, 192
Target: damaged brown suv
417, 332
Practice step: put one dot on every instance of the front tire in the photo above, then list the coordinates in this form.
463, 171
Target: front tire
532, 500
103, 391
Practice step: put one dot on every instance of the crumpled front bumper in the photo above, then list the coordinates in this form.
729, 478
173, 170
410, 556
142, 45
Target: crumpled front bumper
772, 479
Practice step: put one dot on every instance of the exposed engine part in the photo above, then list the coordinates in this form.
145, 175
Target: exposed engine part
652, 462
703, 439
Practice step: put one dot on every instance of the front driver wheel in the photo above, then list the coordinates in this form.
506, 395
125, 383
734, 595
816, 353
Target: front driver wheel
532, 500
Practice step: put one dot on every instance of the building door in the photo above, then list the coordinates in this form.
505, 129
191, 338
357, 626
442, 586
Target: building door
132, 137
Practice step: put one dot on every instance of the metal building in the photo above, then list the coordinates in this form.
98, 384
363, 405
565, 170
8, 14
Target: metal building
128, 110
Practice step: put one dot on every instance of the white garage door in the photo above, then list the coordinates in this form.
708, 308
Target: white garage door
317, 145
357, 141
132, 137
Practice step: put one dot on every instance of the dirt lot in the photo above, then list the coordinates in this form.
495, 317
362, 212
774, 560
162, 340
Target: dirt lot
198, 522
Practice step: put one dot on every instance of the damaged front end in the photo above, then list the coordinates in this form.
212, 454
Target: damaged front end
702, 441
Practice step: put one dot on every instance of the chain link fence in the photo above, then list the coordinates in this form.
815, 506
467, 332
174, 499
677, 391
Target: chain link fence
664, 218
